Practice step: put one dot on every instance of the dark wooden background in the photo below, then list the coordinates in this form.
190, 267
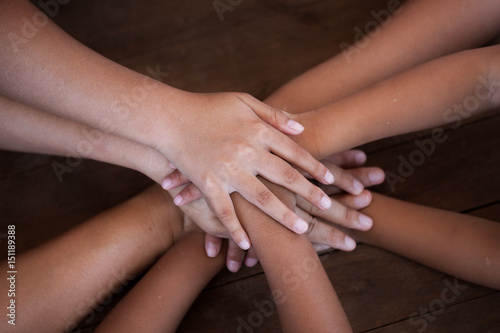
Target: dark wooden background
256, 48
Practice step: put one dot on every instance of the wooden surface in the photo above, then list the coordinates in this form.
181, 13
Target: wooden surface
259, 46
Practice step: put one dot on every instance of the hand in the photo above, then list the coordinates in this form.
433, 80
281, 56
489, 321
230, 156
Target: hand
322, 234
222, 143
325, 227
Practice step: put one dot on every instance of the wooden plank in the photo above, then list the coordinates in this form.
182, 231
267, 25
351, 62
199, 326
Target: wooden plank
41, 207
375, 287
477, 315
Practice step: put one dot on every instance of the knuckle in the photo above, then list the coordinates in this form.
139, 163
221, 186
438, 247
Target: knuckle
334, 237
315, 194
264, 197
291, 175
225, 215
300, 152
349, 216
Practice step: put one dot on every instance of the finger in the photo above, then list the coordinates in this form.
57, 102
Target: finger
321, 247
260, 196
173, 180
348, 159
289, 150
222, 207
344, 179
274, 117
281, 173
213, 245
369, 176
235, 257
356, 202
338, 214
188, 194
326, 234
251, 258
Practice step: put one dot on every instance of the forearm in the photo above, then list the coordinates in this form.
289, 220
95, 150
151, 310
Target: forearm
76, 271
163, 296
303, 294
53, 72
445, 90
460, 245
418, 31
25, 129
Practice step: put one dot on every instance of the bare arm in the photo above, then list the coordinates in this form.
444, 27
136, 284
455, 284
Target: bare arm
445, 90
416, 32
162, 297
53, 72
309, 305
460, 245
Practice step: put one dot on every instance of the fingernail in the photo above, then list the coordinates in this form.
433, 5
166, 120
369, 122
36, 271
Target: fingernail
233, 266
166, 183
211, 250
325, 203
295, 126
329, 179
360, 158
300, 226
250, 262
350, 244
171, 165
244, 244
365, 221
178, 199
361, 200
376, 176
358, 187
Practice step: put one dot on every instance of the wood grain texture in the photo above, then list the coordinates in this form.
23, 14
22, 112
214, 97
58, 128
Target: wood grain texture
256, 48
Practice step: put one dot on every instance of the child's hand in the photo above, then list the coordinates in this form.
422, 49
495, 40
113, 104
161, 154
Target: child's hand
222, 141
344, 213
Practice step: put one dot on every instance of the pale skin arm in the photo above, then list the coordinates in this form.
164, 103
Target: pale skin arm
23, 128
61, 281
221, 132
417, 32
460, 245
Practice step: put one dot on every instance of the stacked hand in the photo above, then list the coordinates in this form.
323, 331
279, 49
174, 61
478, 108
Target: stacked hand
347, 197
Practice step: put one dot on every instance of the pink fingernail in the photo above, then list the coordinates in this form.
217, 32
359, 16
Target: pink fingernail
361, 200
325, 203
329, 179
360, 158
166, 183
250, 262
211, 250
357, 186
233, 266
171, 165
178, 200
295, 126
365, 221
350, 244
244, 244
376, 176
300, 226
